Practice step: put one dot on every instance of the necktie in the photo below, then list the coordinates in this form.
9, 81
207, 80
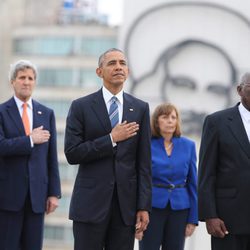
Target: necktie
113, 112
25, 119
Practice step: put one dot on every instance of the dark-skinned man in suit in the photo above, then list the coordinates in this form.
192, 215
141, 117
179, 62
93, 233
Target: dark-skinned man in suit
112, 192
29, 176
224, 174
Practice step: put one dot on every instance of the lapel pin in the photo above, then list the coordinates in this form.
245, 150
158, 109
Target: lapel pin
39, 112
131, 110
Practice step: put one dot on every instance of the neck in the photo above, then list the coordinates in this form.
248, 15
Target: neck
246, 105
114, 89
167, 137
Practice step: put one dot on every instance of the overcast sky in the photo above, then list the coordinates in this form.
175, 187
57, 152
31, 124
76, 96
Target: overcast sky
113, 8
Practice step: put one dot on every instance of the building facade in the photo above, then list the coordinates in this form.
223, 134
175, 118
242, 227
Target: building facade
65, 43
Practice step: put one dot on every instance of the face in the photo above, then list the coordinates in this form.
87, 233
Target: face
113, 71
167, 123
244, 92
24, 84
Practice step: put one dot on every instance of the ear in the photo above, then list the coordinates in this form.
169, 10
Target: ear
239, 88
99, 72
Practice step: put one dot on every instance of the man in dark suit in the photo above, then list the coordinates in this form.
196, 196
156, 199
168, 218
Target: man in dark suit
29, 178
224, 174
112, 191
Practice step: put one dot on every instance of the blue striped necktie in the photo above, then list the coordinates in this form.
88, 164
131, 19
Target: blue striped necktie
113, 112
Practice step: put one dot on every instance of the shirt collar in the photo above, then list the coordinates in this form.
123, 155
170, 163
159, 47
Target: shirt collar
20, 103
107, 95
244, 112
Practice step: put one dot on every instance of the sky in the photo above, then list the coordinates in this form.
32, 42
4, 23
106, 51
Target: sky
113, 8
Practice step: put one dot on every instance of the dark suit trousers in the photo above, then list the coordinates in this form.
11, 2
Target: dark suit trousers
231, 242
22, 230
111, 234
166, 230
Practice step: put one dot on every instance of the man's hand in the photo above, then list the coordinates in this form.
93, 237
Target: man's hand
52, 204
124, 131
40, 135
142, 220
216, 227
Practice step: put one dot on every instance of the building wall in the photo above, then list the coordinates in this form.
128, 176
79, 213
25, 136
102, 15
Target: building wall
66, 53
190, 53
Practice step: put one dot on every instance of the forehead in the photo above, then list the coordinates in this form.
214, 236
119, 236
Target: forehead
246, 78
28, 71
114, 55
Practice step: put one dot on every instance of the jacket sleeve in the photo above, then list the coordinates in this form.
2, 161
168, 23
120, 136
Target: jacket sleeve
207, 171
192, 187
143, 163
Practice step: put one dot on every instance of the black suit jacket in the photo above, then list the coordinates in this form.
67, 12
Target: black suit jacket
88, 143
224, 171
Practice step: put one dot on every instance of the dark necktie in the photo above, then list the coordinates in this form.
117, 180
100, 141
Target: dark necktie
113, 112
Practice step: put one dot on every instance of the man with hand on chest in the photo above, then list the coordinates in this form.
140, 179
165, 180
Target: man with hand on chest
108, 135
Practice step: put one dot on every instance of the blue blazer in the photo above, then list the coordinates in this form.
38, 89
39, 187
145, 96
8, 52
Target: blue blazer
179, 169
24, 168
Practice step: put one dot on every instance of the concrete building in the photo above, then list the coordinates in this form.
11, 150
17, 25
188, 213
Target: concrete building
65, 42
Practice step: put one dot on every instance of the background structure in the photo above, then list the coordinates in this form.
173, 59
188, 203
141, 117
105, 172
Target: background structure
190, 53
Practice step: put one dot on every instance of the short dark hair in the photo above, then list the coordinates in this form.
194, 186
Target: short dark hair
102, 56
164, 109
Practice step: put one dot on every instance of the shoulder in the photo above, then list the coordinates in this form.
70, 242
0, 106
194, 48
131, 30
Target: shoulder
135, 100
184, 140
88, 98
222, 113
7, 104
41, 107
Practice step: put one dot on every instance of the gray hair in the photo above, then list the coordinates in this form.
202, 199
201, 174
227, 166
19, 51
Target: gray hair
102, 56
20, 66
245, 78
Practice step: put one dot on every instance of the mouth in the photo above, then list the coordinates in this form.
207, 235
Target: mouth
119, 74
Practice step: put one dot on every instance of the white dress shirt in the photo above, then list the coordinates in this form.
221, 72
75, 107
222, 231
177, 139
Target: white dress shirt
107, 95
245, 116
19, 104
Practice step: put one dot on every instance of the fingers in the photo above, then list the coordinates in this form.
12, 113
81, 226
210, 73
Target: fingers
40, 135
124, 131
52, 204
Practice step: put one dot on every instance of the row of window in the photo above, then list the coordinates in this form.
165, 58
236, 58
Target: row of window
62, 46
51, 77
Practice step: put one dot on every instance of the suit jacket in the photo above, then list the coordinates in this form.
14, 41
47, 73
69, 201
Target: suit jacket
224, 171
24, 168
178, 169
101, 166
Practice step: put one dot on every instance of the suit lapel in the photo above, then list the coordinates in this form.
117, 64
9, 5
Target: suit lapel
37, 115
128, 109
238, 130
15, 115
100, 109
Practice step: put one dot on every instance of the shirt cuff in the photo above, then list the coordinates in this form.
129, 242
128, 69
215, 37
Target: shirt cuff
31, 142
113, 143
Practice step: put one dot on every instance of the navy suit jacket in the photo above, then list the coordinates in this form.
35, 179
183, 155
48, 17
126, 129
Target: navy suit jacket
88, 143
224, 171
24, 168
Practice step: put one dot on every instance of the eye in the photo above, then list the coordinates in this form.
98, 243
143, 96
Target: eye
183, 81
218, 89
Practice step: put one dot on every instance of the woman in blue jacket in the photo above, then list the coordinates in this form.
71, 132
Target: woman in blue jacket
174, 174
